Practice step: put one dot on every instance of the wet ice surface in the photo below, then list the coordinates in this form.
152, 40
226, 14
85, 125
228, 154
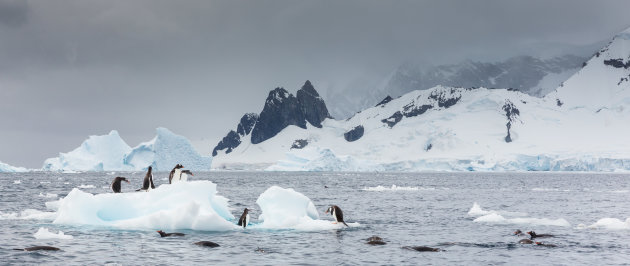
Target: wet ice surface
435, 214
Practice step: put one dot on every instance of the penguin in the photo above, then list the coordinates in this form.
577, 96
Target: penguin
518, 232
375, 240
162, 234
525, 241
207, 244
336, 212
148, 181
175, 174
422, 249
184, 175
533, 235
244, 220
545, 245
116, 183
36, 248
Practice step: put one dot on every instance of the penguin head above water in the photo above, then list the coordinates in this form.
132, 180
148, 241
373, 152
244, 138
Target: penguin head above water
518, 232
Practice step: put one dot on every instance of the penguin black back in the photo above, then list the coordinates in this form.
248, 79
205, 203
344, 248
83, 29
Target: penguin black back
163, 234
36, 248
170, 176
148, 180
207, 244
243, 220
336, 212
116, 184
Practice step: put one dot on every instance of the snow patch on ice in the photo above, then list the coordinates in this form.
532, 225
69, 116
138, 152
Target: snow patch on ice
44, 233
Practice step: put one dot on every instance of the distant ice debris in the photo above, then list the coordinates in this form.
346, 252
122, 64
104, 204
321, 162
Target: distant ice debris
47, 195
17, 182
28, 214
284, 208
396, 188
611, 223
497, 218
44, 233
477, 211
86, 186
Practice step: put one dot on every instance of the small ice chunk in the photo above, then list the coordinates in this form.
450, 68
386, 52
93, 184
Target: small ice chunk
43, 233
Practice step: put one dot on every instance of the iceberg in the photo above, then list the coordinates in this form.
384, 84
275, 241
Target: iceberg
185, 205
111, 153
165, 151
5, 168
285, 208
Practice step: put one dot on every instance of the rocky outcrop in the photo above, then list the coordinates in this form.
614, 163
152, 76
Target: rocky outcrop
299, 144
283, 109
511, 113
233, 138
385, 101
354, 134
312, 105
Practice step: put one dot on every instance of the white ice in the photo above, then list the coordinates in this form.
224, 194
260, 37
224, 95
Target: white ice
611, 223
285, 208
44, 233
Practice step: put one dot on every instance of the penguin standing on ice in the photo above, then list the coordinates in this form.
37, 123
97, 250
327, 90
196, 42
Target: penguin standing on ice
175, 174
148, 181
244, 220
184, 175
336, 212
116, 184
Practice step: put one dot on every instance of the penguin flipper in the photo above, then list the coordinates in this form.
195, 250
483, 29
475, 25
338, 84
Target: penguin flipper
138, 189
345, 223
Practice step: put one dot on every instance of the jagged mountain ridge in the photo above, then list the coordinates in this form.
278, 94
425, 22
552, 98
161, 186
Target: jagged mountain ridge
454, 128
530, 75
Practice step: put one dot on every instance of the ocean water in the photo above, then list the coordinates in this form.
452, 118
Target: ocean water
405, 209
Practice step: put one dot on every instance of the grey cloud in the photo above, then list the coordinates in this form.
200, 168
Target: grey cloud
69, 69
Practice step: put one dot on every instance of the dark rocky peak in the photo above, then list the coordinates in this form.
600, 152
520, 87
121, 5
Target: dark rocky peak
354, 134
385, 101
312, 105
446, 97
281, 110
247, 124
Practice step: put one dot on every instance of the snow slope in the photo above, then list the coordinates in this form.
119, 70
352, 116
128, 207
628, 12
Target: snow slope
111, 153
582, 126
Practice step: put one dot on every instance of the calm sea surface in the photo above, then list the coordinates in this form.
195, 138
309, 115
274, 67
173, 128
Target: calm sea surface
424, 209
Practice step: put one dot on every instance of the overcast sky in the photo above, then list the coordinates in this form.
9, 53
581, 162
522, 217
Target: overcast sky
69, 69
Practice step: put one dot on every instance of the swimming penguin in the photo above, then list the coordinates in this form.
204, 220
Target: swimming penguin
175, 174
116, 183
207, 244
35, 248
375, 240
337, 213
148, 181
244, 220
518, 232
162, 234
525, 241
422, 249
545, 245
533, 235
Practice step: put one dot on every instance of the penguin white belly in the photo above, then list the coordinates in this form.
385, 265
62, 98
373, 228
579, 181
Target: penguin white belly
176, 176
333, 213
247, 220
184, 177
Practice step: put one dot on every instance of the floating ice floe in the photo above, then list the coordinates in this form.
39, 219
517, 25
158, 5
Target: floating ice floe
28, 214
492, 216
608, 223
86, 186
17, 182
43, 233
285, 208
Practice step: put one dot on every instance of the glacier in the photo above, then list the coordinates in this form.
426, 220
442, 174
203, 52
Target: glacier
581, 126
111, 153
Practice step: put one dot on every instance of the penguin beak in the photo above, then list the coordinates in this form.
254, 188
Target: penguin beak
127, 181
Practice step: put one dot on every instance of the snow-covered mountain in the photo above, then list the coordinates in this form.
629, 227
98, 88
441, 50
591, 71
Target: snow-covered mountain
527, 74
5, 168
582, 126
111, 153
